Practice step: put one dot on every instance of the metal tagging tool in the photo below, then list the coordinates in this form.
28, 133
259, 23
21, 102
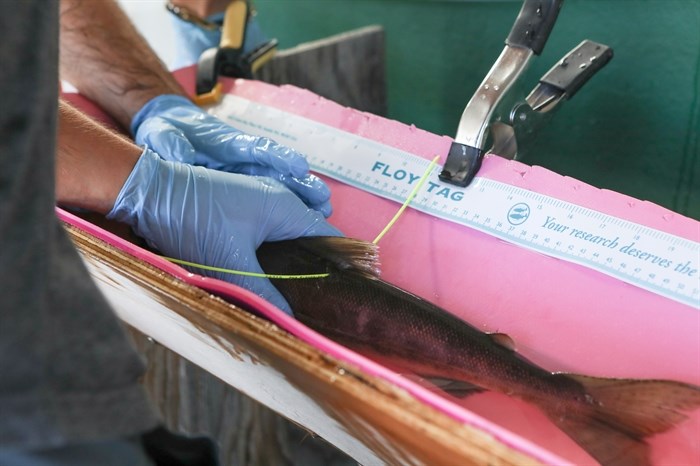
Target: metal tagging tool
498, 119
229, 58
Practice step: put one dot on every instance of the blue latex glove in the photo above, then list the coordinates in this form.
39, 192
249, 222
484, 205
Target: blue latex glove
191, 40
178, 130
214, 218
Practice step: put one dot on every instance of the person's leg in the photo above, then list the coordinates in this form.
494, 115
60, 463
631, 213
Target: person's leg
68, 372
118, 452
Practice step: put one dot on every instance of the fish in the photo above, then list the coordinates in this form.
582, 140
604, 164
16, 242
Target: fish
609, 418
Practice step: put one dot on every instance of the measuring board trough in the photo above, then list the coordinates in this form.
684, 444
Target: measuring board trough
659, 262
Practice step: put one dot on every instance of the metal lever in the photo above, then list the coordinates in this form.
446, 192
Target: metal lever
229, 58
527, 38
515, 126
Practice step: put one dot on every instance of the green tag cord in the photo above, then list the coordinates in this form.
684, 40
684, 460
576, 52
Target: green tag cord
242, 272
391, 223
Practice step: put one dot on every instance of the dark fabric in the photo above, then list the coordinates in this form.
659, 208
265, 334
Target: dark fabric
67, 371
168, 449
117, 452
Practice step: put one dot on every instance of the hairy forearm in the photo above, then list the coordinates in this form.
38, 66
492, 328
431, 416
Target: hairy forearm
107, 60
92, 162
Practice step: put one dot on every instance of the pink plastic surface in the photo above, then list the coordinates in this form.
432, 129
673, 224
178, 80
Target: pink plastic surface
561, 315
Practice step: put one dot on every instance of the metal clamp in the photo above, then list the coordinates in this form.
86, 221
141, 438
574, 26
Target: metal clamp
229, 59
515, 126
526, 39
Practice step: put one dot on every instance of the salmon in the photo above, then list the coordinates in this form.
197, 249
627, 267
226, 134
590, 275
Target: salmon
609, 418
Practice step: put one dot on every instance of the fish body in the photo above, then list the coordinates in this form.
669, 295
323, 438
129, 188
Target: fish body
355, 308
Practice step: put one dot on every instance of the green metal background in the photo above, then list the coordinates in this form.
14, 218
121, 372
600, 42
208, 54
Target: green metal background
633, 128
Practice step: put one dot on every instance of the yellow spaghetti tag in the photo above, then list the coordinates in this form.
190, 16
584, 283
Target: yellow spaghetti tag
408, 200
242, 272
391, 223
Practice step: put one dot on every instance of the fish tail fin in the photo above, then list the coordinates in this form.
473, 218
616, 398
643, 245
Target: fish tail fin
606, 444
620, 414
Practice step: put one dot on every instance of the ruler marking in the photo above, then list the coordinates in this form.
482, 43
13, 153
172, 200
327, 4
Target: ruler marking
641, 256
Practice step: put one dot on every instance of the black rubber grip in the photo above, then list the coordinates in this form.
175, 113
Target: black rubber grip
461, 165
534, 23
578, 66
207, 71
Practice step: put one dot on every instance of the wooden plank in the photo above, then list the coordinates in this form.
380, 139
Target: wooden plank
347, 68
194, 401
369, 418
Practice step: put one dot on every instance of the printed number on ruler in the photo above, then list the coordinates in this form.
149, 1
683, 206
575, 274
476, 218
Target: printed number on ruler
656, 261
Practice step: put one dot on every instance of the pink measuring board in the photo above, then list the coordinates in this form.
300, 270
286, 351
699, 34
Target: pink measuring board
563, 316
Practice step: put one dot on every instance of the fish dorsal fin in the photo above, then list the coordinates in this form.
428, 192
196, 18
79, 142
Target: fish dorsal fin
345, 253
503, 340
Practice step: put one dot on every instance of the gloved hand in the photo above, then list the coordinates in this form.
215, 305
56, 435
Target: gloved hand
214, 218
178, 130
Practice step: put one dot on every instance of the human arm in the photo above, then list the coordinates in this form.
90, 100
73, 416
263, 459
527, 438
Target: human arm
107, 60
85, 177
191, 213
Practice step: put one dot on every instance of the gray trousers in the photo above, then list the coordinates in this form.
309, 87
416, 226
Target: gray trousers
68, 374
105, 453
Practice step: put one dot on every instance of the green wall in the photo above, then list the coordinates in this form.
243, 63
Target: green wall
633, 128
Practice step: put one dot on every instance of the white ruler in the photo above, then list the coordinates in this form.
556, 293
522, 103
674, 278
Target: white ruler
659, 262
